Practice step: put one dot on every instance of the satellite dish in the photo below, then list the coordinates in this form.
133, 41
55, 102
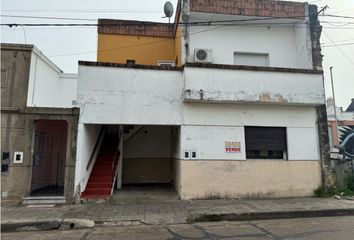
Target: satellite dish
168, 9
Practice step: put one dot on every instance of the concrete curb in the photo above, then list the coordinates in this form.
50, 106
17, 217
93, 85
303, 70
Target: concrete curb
214, 217
46, 224
72, 223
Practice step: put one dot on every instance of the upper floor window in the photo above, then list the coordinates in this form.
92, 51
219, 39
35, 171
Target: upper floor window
165, 63
251, 59
130, 61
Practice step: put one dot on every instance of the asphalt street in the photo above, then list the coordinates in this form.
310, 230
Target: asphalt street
305, 228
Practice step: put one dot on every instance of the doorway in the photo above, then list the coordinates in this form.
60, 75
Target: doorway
49, 156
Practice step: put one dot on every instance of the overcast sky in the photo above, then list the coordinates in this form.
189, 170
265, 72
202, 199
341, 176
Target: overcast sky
66, 45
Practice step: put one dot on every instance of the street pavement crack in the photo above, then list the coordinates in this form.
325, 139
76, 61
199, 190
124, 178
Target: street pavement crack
84, 237
265, 231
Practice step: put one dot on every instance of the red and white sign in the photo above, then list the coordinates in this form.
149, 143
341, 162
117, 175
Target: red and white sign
232, 147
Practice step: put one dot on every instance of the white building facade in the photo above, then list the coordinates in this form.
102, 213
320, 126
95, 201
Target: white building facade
238, 119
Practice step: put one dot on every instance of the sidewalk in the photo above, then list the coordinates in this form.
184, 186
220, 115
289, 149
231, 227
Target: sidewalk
167, 212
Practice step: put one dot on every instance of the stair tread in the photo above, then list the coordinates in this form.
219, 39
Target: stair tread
101, 179
99, 190
96, 196
99, 185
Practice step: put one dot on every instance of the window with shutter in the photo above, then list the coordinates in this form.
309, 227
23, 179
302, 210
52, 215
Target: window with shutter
265, 142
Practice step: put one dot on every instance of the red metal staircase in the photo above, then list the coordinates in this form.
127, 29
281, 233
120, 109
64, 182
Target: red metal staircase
101, 182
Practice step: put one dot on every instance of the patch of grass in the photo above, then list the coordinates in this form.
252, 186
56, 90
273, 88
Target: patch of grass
350, 182
189, 220
321, 192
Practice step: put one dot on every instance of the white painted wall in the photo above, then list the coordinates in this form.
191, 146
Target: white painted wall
48, 86
206, 127
209, 141
129, 96
149, 142
287, 46
86, 140
248, 114
303, 46
303, 143
230, 85
176, 142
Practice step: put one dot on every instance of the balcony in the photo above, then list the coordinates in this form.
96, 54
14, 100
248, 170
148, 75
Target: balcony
246, 84
111, 93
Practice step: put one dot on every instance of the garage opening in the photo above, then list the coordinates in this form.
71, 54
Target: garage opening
148, 156
130, 161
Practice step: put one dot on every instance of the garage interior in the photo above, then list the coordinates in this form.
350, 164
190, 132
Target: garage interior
148, 156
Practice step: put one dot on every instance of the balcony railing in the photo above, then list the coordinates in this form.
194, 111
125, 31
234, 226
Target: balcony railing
229, 83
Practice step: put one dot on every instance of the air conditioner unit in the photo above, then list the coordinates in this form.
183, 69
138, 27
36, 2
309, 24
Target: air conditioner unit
203, 55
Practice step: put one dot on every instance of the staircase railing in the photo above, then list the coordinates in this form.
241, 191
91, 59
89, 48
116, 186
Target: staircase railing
115, 162
95, 148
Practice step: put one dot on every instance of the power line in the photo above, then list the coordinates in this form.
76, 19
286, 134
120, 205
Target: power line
340, 50
91, 19
141, 23
126, 47
198, 24
336, 45
54, 18
336, 16
108, 10
150, 23
80, 25
132, 46
343, 40
336, 22
215, 24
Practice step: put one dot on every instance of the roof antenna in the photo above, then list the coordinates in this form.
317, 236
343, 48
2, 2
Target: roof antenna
168, 9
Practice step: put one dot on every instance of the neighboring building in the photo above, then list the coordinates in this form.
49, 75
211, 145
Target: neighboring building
345, 124
230, 109
345, 121
38, 126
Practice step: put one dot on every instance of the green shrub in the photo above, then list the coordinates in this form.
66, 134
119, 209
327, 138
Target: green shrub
350, 182
321, 192
330, 192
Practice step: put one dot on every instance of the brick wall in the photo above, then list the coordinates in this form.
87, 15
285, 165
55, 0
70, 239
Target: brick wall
138, 28
262, 8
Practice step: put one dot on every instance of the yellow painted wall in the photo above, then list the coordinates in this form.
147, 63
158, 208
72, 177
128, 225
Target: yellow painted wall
246, 179
178, 46
144, 50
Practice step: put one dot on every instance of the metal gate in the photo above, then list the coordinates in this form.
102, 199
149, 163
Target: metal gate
48, 168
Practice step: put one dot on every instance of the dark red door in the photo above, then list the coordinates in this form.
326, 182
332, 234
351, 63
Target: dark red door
48, 168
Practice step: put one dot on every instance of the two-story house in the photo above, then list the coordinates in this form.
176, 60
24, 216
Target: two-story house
227, 101
38, 127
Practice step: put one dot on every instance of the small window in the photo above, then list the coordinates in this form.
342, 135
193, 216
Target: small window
265, 142
164, 63
5, 162
130, 61
4, 75
251, 59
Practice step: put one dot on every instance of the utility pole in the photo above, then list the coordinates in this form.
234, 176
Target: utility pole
339, 166
334, 105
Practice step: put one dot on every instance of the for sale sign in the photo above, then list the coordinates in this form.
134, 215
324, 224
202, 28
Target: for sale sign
232, 147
